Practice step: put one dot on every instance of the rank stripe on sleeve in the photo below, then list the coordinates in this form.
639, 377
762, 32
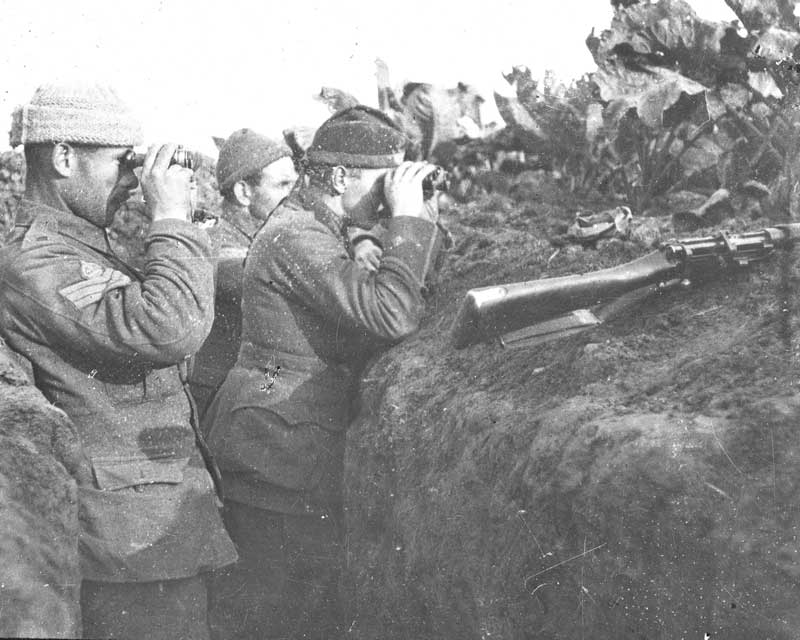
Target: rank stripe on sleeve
97, 281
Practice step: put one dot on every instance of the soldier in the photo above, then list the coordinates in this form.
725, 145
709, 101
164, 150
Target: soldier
108, 345
254, 175
311, 317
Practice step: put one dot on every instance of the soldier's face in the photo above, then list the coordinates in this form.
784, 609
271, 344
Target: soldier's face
277, 180
102, 183
363, 200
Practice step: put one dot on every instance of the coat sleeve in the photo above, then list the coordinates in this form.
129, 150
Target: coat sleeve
311, 265
86, 308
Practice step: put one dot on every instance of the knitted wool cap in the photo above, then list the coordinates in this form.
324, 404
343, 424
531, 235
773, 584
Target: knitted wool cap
244, 153
358, 137
90, 114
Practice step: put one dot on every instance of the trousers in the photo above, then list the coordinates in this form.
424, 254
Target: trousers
167, 609
285, 585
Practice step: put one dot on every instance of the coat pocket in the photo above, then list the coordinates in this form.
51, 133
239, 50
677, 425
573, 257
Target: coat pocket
296, 456
119, 472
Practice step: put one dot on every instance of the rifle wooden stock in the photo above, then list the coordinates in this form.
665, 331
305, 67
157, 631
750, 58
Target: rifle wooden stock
489, 312
492, 311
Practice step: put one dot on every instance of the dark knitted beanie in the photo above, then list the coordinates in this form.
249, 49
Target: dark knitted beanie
358, 137
244, 153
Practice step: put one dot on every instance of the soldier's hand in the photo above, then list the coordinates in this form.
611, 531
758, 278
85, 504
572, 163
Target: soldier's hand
167, 189
367, 255
403, 190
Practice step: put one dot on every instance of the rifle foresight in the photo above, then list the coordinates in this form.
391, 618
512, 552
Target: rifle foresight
490, 312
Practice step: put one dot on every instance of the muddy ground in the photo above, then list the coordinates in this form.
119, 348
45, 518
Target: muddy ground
635, 481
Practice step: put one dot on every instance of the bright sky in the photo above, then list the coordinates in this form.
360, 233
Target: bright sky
196, 69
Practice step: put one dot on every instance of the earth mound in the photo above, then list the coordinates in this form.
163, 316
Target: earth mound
633, 481
40, 590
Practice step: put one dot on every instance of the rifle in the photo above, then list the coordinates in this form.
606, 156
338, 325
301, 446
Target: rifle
523, 313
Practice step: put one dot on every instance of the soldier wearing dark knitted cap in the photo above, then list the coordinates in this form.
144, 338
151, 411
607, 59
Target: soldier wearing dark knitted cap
254, 174
311, 318
108, 345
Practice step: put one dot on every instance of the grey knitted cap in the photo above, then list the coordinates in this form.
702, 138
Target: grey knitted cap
91, 114
246, 152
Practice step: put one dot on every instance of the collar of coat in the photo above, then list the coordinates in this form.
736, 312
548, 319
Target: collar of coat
242, 222
43, 218
307, 199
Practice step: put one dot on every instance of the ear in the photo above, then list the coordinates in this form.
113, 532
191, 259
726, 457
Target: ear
63, 159
338, 182
242, 193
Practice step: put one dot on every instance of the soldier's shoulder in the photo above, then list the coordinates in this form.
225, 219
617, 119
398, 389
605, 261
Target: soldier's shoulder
35, 245
288, 233
224, 235
290, 213
43, 260
286, 223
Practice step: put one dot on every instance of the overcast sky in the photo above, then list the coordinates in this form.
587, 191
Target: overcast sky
196, 69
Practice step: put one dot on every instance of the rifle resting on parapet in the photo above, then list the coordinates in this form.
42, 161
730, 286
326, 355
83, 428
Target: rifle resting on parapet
524, 313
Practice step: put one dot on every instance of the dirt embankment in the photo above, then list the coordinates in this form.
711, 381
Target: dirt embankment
634, 481
40, 587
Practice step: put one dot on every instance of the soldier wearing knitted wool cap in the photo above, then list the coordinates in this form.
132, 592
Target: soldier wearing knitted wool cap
311, 317
254, 174
108, 345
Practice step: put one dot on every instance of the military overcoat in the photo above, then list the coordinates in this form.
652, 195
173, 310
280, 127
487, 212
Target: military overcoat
230, 239
311, 317
103, 341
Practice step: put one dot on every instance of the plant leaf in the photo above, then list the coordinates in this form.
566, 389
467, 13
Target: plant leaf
757, 15
514, 114
762, 82
650, 91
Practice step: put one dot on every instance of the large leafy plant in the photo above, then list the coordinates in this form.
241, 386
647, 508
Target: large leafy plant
702, 95
676, 101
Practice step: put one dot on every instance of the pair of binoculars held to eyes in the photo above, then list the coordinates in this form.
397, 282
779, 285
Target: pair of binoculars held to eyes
181, 157
437, 180
185, 159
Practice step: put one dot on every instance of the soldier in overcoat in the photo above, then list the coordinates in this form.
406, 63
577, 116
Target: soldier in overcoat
254, 174
311, 317
108, 344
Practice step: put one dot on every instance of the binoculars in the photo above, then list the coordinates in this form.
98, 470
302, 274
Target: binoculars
436, 180
185, 159
181, 157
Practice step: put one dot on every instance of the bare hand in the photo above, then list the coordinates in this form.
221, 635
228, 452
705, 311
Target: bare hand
167, 189
403, 190
367, 255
